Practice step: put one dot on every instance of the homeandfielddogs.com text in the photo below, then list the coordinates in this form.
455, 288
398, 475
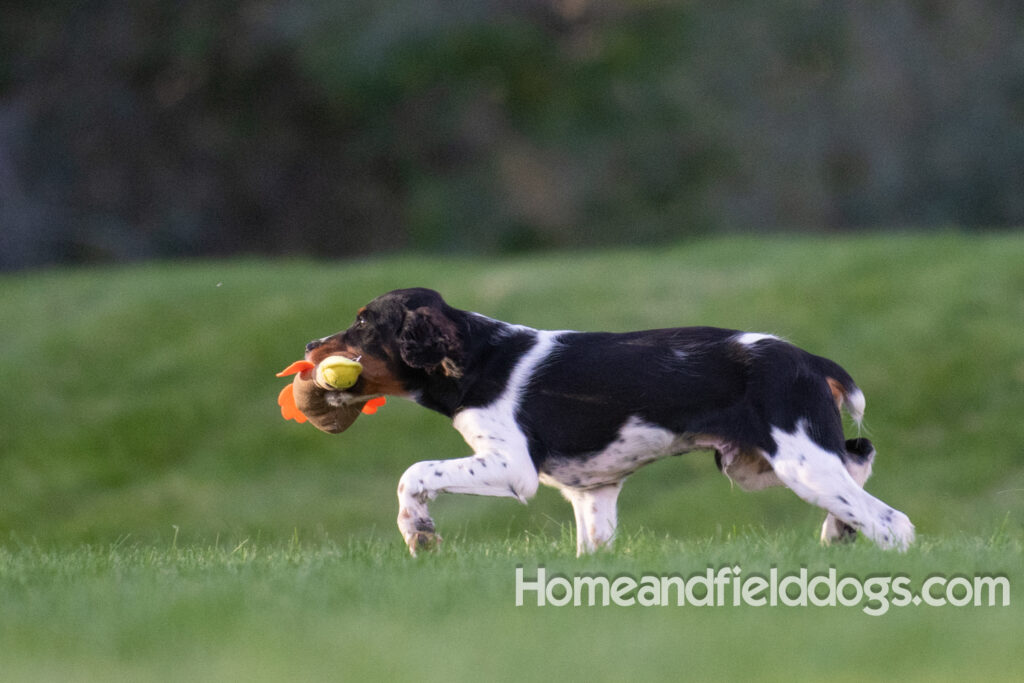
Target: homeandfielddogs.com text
729, 586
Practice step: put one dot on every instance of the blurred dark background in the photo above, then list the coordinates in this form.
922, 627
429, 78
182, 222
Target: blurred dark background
145, 129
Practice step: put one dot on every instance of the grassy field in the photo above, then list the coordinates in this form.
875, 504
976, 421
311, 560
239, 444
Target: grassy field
159, 521
366, 611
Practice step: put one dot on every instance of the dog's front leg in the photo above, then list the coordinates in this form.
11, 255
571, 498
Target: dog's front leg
414, 519
491, 474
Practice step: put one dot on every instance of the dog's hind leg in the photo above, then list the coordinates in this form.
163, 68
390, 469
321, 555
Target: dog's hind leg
820, 477
596, 515
860, 454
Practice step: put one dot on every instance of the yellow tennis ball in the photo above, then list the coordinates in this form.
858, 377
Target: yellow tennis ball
338, 372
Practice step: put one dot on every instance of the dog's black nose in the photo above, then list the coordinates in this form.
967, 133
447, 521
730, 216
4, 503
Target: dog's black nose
313, 344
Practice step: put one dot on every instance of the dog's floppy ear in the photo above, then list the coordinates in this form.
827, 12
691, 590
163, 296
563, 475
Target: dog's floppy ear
430, 340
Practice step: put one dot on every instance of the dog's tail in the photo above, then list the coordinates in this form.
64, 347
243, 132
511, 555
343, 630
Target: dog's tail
845, 391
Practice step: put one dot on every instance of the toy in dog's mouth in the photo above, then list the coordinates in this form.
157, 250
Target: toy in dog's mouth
338, 372
306, 397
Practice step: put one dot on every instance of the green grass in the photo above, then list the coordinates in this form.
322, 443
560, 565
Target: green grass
366, 611
159, 521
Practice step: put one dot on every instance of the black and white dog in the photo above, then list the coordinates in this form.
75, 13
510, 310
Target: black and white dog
581, 411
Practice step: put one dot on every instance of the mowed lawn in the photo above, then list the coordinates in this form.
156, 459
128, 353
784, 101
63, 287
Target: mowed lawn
159, 521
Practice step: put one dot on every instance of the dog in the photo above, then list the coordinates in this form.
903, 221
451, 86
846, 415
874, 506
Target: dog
581, 411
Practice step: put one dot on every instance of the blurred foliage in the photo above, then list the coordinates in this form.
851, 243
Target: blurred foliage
151, 128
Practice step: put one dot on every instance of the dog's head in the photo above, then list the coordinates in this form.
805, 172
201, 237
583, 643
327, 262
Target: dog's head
402, 339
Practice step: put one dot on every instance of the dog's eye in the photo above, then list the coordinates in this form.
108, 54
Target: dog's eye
361, 321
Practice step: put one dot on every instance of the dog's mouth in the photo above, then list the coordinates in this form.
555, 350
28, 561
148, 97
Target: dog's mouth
329, 348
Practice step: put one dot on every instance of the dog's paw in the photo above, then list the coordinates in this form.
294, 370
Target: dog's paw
902, 531
419, 532
893, 530
423, 541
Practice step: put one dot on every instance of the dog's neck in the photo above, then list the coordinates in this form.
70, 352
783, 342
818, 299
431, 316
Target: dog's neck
492, 349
